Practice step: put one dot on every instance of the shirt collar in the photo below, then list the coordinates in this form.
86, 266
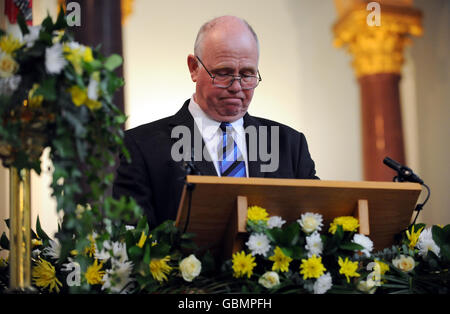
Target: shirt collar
208, 127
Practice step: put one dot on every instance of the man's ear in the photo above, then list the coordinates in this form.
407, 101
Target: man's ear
193, 67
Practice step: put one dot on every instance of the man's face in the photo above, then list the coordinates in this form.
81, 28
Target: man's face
235, 54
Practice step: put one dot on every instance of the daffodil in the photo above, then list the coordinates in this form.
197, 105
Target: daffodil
44, 275
159, 268
280, 260
243, 264
312, 267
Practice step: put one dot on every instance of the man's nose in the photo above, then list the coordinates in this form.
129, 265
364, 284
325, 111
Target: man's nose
235, 85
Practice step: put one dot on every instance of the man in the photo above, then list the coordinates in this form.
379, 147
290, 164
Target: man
225, 69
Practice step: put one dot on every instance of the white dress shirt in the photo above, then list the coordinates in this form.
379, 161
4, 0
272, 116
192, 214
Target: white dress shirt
212, 134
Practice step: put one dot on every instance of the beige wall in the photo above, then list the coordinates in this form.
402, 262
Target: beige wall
307, 84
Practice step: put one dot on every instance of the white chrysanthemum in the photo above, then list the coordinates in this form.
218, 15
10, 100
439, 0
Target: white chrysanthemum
314, 244
104, 254
129, 227
35, 253
54, 250
54, 59
117, 279
190, 267
275, 221
120, 251
10, 84
32, 36
269, 279
92, 90
426, 243
364, 242
310, 222
323, 284
258, 243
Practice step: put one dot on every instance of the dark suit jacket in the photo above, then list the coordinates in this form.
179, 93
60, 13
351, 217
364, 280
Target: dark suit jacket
156, 181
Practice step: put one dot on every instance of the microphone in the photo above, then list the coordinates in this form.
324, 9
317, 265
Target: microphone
404, 173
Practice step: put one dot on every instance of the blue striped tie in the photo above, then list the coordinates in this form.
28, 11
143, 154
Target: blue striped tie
231, 161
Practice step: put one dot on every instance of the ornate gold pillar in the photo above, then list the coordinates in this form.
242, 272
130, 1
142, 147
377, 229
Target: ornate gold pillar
377, 49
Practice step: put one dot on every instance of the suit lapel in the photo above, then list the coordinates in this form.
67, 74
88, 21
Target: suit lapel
184, 117
254, 166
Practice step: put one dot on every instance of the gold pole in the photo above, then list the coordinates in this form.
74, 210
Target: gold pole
20, 223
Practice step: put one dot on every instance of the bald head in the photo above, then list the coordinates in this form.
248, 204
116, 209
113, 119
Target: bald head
228, 26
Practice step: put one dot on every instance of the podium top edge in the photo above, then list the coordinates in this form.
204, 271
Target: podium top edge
304, 183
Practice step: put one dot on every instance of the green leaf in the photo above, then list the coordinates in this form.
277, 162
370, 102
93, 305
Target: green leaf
22, 23
113, 62
4, 242
47, 89
351, 247
135, 252
42, 235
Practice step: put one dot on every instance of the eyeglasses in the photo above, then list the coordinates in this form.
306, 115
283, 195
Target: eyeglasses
226, 80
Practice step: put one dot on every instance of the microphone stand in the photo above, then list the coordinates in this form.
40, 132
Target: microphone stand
189, 169
405, 174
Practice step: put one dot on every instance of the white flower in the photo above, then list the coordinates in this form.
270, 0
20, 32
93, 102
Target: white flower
54, 251
35, 253
368, 285
104, 254
314, 244
8, 66
117, 279
32, 36
119, 252
364, 242
54, 59
269, 279
92, 89
275, 221
310, 222
190, 267
404, 263
258, 243
129, 227
10, 84
426, 243
323, 284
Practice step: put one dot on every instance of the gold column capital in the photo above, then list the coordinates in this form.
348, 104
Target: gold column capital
377, 49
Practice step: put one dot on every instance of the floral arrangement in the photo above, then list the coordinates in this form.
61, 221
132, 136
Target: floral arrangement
58, 93
301, 257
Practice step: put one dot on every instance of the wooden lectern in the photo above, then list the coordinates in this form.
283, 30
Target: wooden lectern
219, 207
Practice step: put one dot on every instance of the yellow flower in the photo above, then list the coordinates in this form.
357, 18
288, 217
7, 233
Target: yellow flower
34, 101
93, 104
76, 54
381, 267
312, 267
243, 264
280, 261
79, 96
36, 242
159, 268
90, 250
413, 236
257, 213
348, 223
348, 268
44, 275
8, 66
94, 274
142, 240
9, 44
